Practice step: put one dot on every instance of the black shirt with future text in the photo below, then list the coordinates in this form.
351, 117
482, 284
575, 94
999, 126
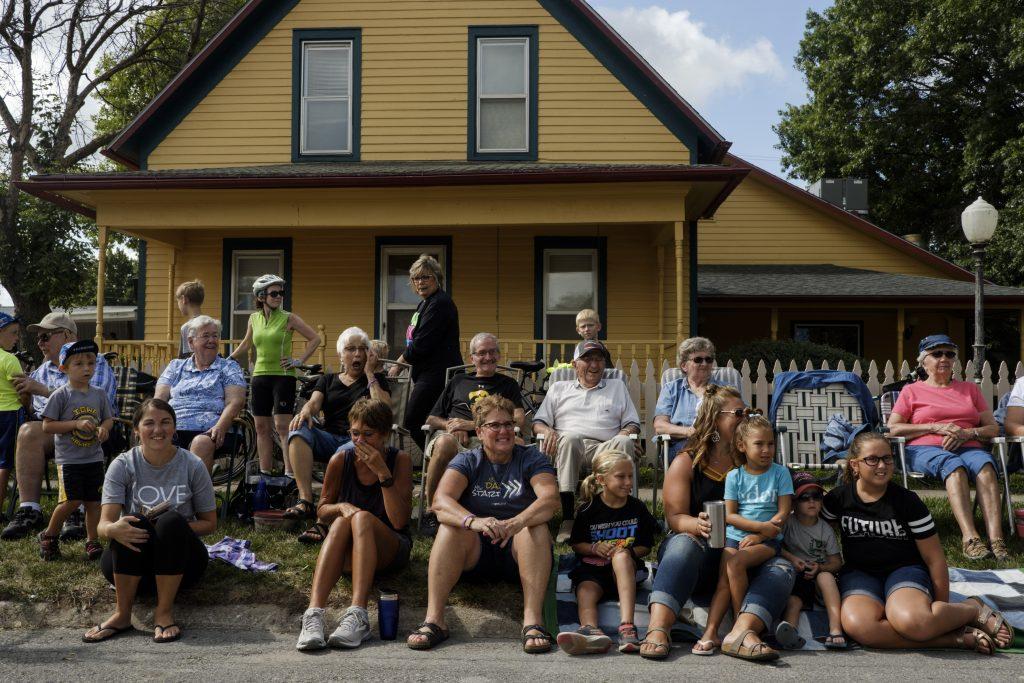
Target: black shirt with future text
630, 525
879, 537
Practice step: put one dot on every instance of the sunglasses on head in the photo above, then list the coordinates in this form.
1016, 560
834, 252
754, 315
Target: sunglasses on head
744, 412
702, 360
943, 354
276, 294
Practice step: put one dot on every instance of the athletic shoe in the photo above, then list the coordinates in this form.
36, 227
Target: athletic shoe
26, 520
93, 550
353, 629
564, 531
49, 547
975, 549
586, 640
74, 526
312, 635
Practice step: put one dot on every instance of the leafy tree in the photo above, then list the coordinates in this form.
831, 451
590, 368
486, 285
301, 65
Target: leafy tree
925, 99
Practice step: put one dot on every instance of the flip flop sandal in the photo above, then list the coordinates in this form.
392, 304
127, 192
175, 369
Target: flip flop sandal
986, 613
698, 648
435, 635
303, 509
543, 635
758, 652
788, 637
114, 633
981, 639
314, 535
170, 639
661, 650
836, 641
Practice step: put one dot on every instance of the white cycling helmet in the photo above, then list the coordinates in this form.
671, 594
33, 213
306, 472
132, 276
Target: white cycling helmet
264, 281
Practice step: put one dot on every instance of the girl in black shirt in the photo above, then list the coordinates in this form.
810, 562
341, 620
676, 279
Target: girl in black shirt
895, 583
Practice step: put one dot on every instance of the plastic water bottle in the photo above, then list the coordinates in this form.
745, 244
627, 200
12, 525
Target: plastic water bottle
261, 499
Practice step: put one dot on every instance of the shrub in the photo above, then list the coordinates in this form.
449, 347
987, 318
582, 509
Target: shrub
785, 350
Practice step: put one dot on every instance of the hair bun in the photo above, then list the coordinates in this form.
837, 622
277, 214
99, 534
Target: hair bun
711, 389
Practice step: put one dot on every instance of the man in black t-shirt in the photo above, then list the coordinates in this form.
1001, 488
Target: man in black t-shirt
452, 415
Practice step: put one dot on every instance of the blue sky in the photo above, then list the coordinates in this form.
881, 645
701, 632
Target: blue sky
732, 59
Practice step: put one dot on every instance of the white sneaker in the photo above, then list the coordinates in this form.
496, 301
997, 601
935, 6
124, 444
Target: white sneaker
564, 531
353, 629
312, 636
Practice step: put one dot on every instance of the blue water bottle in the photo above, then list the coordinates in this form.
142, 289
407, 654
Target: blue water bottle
261, 499
387, 614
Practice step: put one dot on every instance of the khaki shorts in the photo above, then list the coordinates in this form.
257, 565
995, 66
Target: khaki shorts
429, 452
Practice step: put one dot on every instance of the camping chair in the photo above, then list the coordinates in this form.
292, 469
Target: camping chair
401, 387
662, 442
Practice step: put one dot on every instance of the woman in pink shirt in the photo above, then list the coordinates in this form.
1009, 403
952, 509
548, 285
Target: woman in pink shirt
944, 421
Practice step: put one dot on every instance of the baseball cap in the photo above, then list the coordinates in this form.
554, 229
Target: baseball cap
54, 321
933, 340
803, 482
587, 346
7, 319
81, 346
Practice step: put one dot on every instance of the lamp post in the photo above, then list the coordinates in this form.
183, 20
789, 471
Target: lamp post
979, 223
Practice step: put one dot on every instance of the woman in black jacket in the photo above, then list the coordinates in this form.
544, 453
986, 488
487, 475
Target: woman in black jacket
431, 342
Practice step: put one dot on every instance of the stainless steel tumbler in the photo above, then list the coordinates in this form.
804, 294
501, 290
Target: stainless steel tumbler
716, 515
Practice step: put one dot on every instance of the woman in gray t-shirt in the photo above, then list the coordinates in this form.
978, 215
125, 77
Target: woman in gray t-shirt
153, 550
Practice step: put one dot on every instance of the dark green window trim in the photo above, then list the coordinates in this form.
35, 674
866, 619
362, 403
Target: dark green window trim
475, 34
443, 240
299, 36
539, 245
230, 246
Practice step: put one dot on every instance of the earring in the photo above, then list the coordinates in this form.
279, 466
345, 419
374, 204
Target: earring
715, 436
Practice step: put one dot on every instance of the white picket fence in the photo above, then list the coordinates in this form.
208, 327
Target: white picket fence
645, 385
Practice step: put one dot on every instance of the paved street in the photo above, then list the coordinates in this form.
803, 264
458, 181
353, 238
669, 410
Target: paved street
219, 655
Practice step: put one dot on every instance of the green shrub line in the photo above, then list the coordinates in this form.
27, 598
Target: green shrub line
799, 352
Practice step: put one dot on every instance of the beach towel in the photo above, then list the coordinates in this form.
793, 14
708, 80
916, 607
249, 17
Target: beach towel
238, 553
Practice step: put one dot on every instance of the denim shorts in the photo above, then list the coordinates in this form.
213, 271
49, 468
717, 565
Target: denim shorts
323, 443
938, 463
856, 582
10, 423
773, 543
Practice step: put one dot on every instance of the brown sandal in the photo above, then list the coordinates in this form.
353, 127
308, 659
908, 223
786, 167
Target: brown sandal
303, 509
985, 613
314, 535
981, 640
661, 650
758, 652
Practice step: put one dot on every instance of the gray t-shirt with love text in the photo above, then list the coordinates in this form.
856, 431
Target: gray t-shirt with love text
133, 482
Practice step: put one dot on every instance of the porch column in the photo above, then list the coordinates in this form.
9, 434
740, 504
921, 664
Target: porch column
775, 324
901, 326
101, 283
660, 251
1020, 328
172, 303
680, 264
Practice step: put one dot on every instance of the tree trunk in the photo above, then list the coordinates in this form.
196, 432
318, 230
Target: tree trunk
30, 310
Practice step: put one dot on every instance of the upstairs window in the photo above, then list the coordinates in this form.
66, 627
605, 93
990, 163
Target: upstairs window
503, 93
326, 95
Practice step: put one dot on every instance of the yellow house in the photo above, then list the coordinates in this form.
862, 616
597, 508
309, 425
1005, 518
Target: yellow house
523, 143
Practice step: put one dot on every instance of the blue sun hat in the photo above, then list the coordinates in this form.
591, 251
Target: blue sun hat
934, 340
71, 348
7, 319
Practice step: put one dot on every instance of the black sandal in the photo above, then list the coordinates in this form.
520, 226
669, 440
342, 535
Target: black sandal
314, 535
303, 509
114, 633
544, 635
435, 635
169, 639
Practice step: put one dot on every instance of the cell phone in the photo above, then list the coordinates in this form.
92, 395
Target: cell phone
152, 513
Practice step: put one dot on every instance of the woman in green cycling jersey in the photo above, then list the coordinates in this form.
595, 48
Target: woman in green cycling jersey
273, 376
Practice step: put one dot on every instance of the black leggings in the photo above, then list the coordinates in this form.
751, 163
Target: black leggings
173, 548
422, 398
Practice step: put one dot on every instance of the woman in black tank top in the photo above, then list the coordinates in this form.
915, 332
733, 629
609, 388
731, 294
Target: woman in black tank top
366, 502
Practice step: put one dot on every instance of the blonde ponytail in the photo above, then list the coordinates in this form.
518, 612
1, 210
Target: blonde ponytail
603, 463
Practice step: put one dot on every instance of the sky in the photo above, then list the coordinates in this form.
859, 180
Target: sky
731, 59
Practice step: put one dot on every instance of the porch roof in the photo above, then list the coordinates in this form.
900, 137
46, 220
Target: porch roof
820, 282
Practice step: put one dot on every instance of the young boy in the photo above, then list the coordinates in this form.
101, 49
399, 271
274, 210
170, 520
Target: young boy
80, 417
811, 546
12, 413
190, 296
588, 324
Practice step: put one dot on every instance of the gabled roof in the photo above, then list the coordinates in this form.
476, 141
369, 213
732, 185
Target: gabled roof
134, 144
850, 219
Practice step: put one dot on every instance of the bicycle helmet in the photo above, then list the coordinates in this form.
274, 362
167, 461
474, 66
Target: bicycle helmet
264, 281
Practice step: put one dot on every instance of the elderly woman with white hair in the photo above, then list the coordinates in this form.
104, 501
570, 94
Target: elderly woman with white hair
679, 400
431, 343
312, 438
206, 391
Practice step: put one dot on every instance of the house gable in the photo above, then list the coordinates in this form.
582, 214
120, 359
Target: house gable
597, 100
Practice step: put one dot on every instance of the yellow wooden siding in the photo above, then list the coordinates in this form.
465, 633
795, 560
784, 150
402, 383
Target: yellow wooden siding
414, 92
158, 297
758, 224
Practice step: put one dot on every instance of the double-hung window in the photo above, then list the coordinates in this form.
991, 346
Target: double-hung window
503, 93
326, 95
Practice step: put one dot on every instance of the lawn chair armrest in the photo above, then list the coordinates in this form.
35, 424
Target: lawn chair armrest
661, 438
1013, 439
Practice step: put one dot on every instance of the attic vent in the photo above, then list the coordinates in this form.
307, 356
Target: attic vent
849, 194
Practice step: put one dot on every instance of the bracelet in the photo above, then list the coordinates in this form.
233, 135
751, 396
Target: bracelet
371, 383
467, 521
593, 548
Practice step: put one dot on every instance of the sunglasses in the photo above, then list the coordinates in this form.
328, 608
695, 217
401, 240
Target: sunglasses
744, 412
806, 497
46, 336
943, 354
702, 360
276, 294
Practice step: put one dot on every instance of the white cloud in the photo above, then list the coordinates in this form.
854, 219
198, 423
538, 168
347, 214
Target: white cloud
699, 66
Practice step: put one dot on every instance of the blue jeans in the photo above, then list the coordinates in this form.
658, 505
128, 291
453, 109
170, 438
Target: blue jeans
321, 442
688, 567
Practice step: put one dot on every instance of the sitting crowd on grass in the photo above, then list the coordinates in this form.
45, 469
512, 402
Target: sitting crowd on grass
495, 492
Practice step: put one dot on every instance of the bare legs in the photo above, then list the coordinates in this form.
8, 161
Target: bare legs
446, 447
909, 619
204, 447
301, 457
265, 428
357, 544
987, 487
126, 587
958, 488
30, 460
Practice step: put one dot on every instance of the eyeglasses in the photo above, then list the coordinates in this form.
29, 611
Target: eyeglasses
744, 412
210, 336
499, 426
875, 461
421, 278
943, 354
483, 353
355, 349
44, 337
276, 294
366, 434
702, 360
814, 495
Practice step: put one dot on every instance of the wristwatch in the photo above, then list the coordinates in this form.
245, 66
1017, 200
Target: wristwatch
388, 482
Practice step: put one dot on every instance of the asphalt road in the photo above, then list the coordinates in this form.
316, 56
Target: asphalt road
219, 655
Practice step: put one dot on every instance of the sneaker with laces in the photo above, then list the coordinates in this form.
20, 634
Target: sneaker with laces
74, 526
49, 547
975, 549
353, 629
26, 520
999, 549
93, 550
312, 635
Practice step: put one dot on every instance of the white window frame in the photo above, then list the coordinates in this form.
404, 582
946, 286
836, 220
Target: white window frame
548, 253
303, 98
524, 41
388, 250
247, 300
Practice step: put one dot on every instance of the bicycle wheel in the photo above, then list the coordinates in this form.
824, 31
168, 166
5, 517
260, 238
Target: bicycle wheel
245, 450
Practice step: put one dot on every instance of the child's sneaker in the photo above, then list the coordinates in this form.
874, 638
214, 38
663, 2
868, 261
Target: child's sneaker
49, 547
93, 550
586, 640
628, 640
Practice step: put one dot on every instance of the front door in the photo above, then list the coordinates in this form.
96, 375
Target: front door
397, 300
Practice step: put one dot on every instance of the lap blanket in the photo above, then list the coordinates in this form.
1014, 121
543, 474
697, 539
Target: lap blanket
1002, 589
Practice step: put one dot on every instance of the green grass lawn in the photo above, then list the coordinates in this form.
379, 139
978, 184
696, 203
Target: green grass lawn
75, 582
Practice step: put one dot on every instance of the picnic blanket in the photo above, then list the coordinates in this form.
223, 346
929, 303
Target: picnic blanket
1002, 589
238, 553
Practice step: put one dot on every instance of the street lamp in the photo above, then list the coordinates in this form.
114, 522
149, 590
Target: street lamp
979, 223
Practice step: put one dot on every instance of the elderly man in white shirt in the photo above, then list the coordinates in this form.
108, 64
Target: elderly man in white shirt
581, 418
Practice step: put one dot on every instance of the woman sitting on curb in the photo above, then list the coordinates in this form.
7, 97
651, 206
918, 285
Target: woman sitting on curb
157, 502
367, 500
895, 583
